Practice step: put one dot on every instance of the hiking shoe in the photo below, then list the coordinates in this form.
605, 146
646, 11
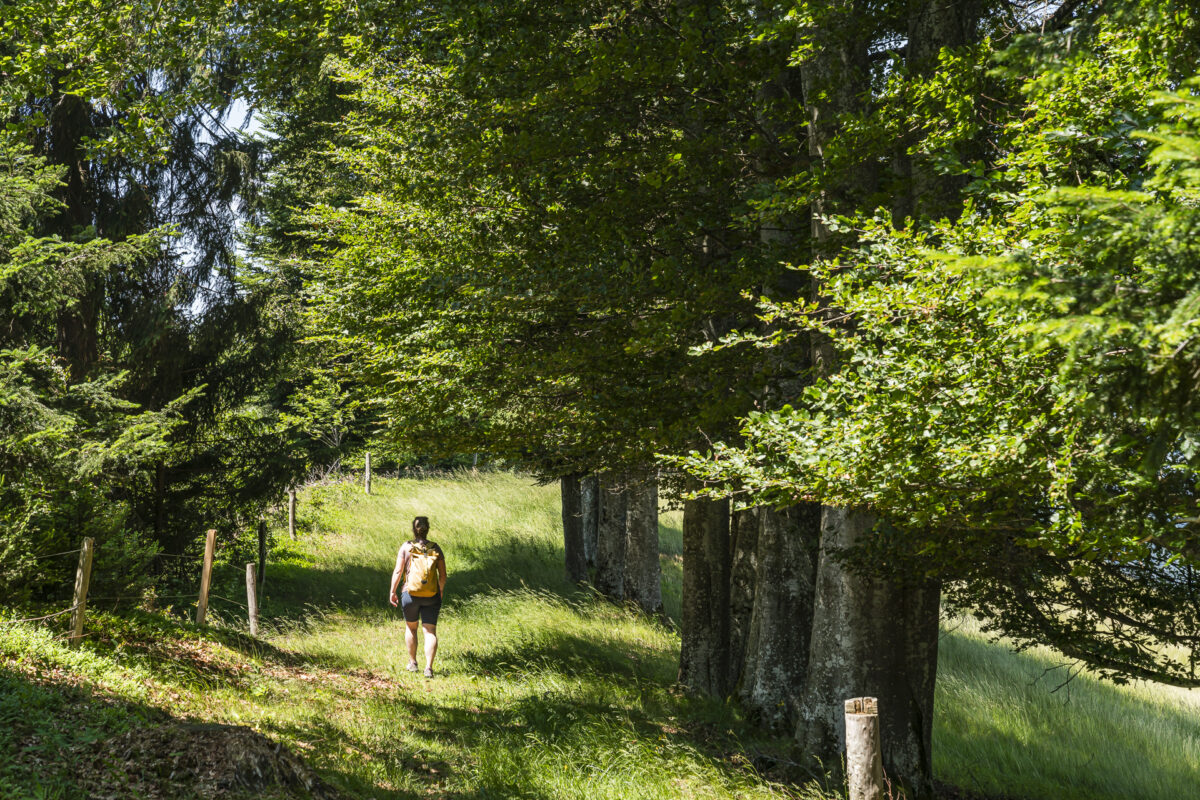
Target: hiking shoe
429, 672
412, 666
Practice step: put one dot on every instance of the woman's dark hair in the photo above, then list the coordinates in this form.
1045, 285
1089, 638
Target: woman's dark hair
420, 527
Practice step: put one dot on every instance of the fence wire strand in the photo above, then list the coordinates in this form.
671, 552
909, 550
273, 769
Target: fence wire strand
52, 555
39, 619
140, 599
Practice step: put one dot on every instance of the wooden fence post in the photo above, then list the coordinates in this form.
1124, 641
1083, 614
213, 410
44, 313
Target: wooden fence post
292, 513
262, 551
210, 545
252, 597
367, 475
864, 759
83, 576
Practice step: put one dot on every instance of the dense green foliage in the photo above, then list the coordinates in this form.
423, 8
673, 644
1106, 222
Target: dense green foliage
546, 208
147, 406
1014, 391
60, 440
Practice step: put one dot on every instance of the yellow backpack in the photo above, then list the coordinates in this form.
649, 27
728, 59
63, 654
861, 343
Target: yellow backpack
422, 577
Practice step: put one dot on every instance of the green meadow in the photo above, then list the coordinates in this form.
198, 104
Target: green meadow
541, 689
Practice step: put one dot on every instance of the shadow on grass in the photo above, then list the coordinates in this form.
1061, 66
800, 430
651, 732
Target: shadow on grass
295, 591
175, 650
41, 722
582, 735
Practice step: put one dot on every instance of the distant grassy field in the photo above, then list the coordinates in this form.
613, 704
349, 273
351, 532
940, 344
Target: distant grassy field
543, 691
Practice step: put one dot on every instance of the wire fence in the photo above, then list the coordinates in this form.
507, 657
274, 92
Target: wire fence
119, 599
53, 555
227, 600
82, 597
144, 598
39, 619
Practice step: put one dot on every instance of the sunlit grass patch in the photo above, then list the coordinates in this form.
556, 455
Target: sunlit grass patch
542, 690
1011, 724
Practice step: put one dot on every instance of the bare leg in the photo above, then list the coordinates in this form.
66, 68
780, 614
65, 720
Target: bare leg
430, 644
410, 639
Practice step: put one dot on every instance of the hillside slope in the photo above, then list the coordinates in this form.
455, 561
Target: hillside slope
542, 691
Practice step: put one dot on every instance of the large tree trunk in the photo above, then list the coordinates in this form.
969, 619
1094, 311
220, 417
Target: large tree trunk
643, 573
610, 538
778, 639
923, 190
874, 636
704, 617
589, 501
572, 519
743, 570
870, 638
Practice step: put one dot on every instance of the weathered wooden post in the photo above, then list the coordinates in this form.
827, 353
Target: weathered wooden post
83, 576
367, 475
292, 513
252, 597
864, 759
210, 544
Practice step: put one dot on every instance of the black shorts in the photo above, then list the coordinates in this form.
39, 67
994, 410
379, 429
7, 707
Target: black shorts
426, 608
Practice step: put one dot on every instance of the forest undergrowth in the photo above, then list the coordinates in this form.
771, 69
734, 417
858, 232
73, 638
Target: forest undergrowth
541, 689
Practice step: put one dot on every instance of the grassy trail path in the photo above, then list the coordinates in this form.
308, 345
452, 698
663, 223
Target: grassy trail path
542, 691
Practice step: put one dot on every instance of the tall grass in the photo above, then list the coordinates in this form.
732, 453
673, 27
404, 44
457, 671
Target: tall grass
542, 690
1020, 725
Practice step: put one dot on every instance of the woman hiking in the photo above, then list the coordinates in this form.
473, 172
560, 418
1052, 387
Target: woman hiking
423, 568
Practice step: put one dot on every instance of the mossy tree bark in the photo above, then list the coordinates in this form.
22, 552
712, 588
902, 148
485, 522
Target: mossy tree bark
610, 538
743, 572
572, 520
643, 573
589, 500
704, 615
870, 637
778, 637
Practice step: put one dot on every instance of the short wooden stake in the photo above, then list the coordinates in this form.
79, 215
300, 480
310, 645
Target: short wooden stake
210, 544
252, 598
292, 513
262, 551
367, 475
864, 758
83, 576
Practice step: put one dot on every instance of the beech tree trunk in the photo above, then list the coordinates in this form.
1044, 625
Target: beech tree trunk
924, 190
610, 538
589, 500
874, 636
778, 637
643, 573
870, 637
743, 570
572, 519
704, 615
